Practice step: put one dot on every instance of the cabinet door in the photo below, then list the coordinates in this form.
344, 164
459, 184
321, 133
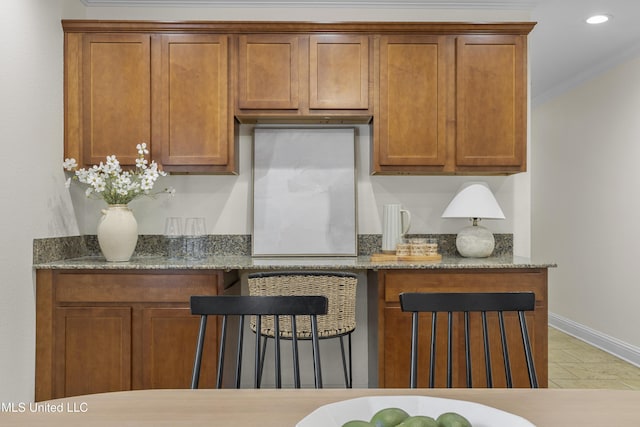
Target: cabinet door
116, 102
92, 350
339, 72
395, 327
194, 122
491, 103
410, 128
111, 330
268, 72
169, 338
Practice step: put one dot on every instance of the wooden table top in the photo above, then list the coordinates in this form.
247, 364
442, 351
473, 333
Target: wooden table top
286, 407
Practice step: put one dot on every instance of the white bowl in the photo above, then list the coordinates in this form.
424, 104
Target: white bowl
363, 408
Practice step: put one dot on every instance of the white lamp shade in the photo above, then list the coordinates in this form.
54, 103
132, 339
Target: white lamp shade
474, 200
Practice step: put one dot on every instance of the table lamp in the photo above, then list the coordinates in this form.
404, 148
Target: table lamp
475, 201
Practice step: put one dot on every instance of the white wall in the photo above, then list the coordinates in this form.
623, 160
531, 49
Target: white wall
307, 13
586, 201
225, 201
33, 200
36, 204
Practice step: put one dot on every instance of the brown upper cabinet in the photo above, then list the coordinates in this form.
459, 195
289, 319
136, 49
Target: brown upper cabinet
339, 72
453, 104
170, 91
294, 76
443, 98
194, 122
491, 103
412, 126
108, 96
268, 76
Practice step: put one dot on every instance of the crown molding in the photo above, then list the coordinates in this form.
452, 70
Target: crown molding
367, 4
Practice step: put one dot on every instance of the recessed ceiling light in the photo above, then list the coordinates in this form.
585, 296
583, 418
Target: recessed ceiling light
598, 19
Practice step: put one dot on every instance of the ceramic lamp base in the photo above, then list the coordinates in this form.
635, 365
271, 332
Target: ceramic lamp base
475, 241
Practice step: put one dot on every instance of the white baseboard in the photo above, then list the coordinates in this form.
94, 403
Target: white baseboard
597, 339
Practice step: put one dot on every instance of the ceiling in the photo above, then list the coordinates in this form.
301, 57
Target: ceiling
564, 50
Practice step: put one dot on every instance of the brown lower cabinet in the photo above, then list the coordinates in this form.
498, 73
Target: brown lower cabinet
120, 330
393, 335
100, 331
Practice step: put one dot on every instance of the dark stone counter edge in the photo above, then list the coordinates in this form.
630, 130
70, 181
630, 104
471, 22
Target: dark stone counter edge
242, 262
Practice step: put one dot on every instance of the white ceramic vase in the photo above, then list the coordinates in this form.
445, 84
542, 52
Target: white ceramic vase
117, 233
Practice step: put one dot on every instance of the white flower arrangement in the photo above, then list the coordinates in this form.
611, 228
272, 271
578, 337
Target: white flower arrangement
115, 186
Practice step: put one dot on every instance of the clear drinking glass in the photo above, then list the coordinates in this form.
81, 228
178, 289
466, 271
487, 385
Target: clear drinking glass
195, 231
173, 226
173, 234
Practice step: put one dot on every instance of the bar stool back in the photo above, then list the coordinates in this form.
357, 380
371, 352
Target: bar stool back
227, 306
461, 306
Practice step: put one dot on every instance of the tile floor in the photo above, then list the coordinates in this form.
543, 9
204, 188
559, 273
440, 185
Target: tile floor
576, 364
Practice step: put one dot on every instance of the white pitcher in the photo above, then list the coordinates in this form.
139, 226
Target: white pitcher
395, 223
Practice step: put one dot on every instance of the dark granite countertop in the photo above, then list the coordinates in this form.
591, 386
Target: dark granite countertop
244, 262
233, 252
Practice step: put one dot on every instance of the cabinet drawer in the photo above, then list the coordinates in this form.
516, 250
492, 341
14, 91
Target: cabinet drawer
118, 287
473, 280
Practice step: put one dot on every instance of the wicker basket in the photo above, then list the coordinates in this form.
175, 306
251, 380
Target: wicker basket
339, 288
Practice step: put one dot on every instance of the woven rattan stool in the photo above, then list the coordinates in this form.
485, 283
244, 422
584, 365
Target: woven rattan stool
340, 320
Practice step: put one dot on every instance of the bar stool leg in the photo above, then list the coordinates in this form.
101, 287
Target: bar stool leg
348, 376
